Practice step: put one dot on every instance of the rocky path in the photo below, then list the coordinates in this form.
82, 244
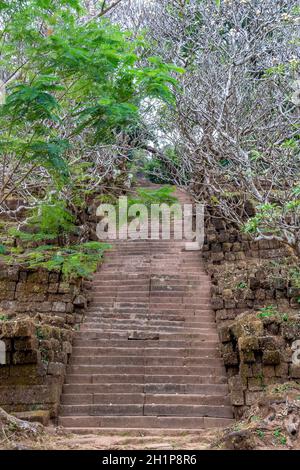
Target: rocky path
147, 354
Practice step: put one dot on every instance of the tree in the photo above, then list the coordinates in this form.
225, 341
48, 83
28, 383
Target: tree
235, 127
74, 89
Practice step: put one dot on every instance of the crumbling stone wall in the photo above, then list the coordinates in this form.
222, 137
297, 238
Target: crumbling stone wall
257, 352
39, 312
248, 277
253, 284
224, 242
29, 291
36, 357
238, 266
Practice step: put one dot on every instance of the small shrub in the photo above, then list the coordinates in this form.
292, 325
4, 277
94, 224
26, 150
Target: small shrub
48, 222
271, 311
242, 285
267, 312
280, 437
73, 261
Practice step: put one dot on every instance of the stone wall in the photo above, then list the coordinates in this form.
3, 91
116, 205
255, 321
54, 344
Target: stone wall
238, 267
253, 284
224, 242
39, 312
28, 291
259, 351
257, 307
36, 359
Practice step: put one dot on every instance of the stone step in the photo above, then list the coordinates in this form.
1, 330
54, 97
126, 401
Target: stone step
149, 352
195, 322
139, 360
167, 305
147, 370
136, 277
152, 296
208, 318
102, 398
141, 398
151, 329
128, 422
151, 311
138, 335
219, 390
102, 378
153, 304
120, 343
159, 281
140, 409
142, 318
140, 431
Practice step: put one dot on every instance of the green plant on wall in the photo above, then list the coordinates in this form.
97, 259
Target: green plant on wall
271, 311
73, 261
50, 220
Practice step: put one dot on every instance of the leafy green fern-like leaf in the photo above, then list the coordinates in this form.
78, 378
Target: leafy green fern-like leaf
73, 261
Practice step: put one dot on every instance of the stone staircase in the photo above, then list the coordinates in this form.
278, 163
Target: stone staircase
147, 354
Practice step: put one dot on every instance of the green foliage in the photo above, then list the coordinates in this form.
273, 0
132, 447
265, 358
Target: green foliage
53, 218
52, 221
69, 77
4, 318
272, 311
2, 249
260, 433
157, 169
280, 438
48, 222
267, 312
73, 261
147, 196
242, 285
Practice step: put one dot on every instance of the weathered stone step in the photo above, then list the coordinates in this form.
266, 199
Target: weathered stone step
148, 344
121, 343
102, 398
153, 296
187, 399
149, 352
172, 317
137, 360
151, 311
149, 388
143, 398
193, 322
133, 276
191, 305
137, 335
151, 329
141, 431
152, 304
164, 422
221, 411
159, 281
203, 371
102, 378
